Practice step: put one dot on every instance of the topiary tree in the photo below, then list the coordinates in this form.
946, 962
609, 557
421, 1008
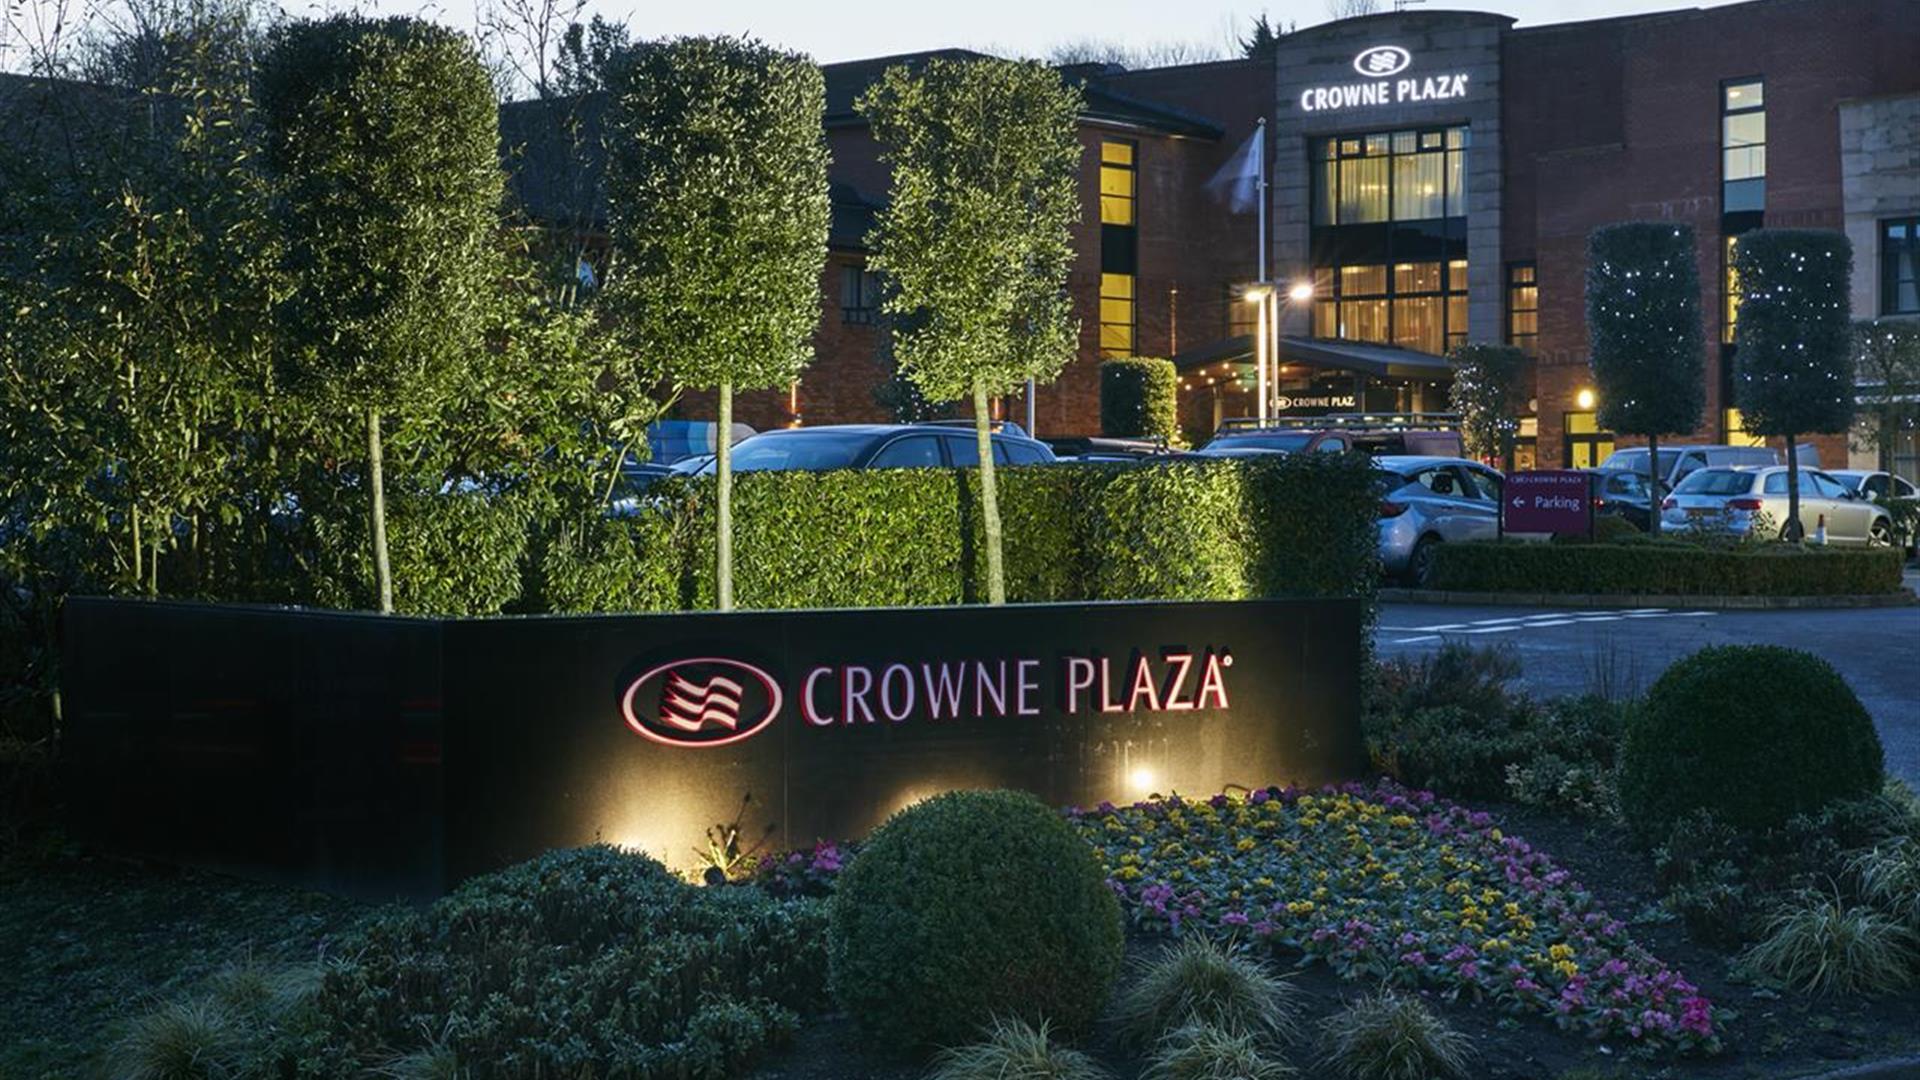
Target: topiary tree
1752, 733
970, 906
1644, 331
1489, 392
717, 192
1139, 398
1886, 367
976, 239
1793, 371
383, 136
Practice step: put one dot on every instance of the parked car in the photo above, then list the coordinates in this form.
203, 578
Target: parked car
881, 446
1429, 501
1679, 462
1621, 494
1875, 485
1882, 488
1107, 448
1738, 499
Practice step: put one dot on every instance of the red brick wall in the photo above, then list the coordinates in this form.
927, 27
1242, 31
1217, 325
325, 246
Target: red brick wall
1620, 120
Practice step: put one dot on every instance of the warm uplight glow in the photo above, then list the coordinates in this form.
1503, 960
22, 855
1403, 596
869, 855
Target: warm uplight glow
1257, 293
1301, 291
1140, 779
1584, 399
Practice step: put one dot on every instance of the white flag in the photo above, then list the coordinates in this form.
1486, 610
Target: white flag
1238, 182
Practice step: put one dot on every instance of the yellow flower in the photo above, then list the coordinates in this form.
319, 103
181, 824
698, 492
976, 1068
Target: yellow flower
1567, 968
1245, 844
1560, 951
1128, 873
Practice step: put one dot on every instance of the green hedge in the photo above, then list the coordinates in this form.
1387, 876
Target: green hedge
1139, 398
1196, 531
1666, 568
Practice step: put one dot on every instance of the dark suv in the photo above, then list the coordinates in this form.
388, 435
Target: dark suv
882, 446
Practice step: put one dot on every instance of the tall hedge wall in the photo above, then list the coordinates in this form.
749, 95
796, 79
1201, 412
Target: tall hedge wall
1209, 530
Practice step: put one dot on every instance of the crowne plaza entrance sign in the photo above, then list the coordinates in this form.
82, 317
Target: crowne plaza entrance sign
373, 753
1382, 68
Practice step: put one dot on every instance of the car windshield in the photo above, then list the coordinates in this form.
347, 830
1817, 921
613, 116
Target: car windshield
804, 451
1265, 440
1636, 461
1714, 482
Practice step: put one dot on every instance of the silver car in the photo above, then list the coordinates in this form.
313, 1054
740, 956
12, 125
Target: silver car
1429, 501
1741, 500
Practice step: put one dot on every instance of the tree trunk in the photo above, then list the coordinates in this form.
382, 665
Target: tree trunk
989, 495
723, 466
139, 574
377, 487
1794, 532
1655, 485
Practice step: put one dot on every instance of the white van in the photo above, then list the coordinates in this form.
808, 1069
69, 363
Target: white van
1678, 461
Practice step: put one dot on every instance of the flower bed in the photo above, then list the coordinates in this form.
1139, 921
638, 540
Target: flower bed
1399, 887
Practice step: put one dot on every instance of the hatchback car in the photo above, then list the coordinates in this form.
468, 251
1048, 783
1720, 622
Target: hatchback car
881, 446
1429, 501
1877, 486
1741, 500
1679, 462
1621, 494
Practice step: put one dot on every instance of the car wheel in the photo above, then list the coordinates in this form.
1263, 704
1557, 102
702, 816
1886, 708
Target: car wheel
1879, 535
1420, 563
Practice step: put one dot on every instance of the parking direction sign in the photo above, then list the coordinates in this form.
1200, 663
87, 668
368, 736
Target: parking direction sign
1546, 501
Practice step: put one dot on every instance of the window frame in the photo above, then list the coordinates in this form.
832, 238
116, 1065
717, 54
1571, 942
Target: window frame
1890, 278
1327, 153
1529, 342
1130, 168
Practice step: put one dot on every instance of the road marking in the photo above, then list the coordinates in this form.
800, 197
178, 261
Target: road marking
1542, 621
1493, 630
1555, 622
1416, 640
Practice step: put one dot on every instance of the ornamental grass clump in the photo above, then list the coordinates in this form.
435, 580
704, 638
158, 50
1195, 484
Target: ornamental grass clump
971, 906
197, 1039
1819, 944
1206, 1052
1889, 877
1015, 1050
1389, 1036
1197, 981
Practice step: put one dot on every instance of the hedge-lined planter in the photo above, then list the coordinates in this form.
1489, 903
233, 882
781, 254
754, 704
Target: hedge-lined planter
1227, 530
1665, 568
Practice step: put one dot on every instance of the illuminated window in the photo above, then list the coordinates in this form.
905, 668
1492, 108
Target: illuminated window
1390, 176
1743, 146
1415, 305
1586, 445
1900, 267
1737, 432
1116, 314
1117, 182
1523, 306
1730, 312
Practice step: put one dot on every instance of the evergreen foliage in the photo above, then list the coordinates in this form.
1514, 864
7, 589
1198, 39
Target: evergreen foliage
1886, 365
717, 192
1139, 398
976, 239
1647, 346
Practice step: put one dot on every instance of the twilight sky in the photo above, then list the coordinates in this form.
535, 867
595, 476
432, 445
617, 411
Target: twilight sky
850, 29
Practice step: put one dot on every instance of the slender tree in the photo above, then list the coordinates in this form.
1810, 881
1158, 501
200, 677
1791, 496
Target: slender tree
717, 183
976, 240
384, 139
1489, 393
1644, 329
1886, 368
1794, 364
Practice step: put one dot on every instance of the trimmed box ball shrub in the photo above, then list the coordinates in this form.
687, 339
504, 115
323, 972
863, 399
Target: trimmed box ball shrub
593, 960
1139, 398
968, 907
1752, 733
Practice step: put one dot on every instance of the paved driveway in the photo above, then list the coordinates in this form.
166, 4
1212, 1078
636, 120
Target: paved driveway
1566, 651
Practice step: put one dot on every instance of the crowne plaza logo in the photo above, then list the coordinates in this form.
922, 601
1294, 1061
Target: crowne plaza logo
1382, 61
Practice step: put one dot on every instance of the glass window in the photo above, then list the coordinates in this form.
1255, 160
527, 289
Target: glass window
1390, 176
912, 452
1418, 324
1743, 146
1363, 281
1523, 306
1416, 278
1776, 485
1827, 486
1116, 315
1363, 190
962, 449
1419, 186
1730, 311
1364, 320
1018, 453
1900, 267
1116, 182
1716, 482
802, 450
859, 295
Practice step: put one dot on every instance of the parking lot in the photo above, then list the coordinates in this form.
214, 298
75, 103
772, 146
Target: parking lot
1571, 651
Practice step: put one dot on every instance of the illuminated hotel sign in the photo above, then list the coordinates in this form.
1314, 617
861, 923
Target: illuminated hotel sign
435, 749
1382, 64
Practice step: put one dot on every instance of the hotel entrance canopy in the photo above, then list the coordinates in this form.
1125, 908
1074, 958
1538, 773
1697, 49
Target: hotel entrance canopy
1231, 357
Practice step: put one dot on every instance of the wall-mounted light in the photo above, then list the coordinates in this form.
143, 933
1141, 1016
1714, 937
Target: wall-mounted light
1584, 399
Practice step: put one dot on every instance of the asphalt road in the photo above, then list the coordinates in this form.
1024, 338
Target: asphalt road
1572, 651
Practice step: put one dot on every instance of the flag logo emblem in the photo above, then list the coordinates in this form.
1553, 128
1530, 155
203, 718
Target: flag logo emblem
701, 701
1382, 61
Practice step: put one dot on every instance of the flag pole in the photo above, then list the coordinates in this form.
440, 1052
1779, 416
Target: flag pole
1260, 261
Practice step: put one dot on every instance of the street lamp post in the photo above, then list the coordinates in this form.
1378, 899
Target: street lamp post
1260, 294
